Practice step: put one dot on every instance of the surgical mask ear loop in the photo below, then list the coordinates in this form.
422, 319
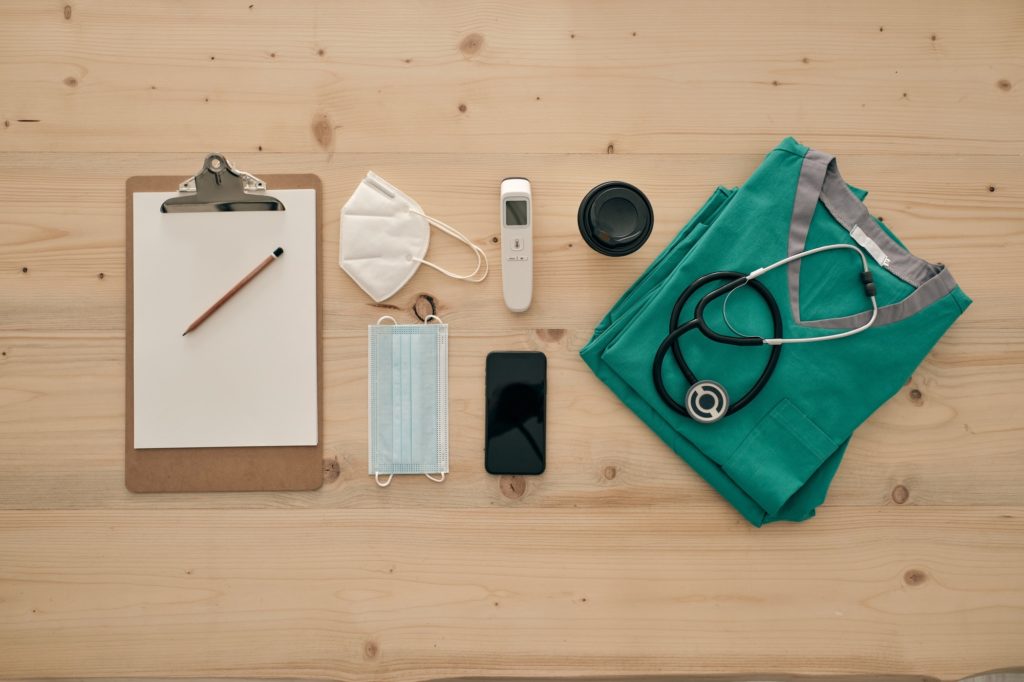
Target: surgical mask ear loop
435, 480
481, 257
386, 317
386, 483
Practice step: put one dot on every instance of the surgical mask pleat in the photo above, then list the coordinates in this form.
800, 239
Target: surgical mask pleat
396, 401
427, 395
408, 413
383, 414
415, 447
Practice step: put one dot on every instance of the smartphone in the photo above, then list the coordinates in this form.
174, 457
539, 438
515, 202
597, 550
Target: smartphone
516, 406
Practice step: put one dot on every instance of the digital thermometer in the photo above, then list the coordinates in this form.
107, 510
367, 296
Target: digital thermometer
516, 243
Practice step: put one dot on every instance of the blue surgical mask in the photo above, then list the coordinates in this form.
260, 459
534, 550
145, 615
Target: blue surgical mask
408, 399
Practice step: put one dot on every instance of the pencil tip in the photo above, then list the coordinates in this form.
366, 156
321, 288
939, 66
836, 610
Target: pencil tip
278, 251
184, 332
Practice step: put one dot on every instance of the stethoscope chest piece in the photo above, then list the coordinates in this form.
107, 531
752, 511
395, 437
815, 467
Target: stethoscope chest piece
706, 401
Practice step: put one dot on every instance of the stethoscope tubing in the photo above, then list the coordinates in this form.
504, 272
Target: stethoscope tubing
676, 331
735, 281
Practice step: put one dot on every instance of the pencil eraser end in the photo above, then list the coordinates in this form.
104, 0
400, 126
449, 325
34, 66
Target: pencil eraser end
278, 251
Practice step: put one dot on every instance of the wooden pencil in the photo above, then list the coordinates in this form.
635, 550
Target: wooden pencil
235, 289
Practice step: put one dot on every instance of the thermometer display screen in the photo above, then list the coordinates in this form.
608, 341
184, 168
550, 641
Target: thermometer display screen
515, 212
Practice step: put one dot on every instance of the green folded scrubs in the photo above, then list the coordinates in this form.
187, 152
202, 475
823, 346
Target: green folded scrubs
775, 458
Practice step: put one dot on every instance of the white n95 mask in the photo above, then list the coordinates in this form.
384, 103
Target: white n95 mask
384, 237
408, 399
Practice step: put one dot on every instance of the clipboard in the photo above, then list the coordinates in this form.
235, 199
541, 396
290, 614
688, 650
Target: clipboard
220, 187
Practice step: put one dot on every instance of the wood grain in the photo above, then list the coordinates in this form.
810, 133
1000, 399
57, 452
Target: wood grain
643, 77
388, 595
619, 561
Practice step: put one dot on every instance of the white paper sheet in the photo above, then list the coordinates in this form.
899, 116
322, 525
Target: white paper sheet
248, 375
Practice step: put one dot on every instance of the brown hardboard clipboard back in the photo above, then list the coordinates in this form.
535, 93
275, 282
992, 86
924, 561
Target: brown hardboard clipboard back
164, 470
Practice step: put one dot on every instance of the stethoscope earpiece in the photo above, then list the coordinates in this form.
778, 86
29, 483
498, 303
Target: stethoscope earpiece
707, 401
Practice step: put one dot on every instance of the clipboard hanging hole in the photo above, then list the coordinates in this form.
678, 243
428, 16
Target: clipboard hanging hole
215, 163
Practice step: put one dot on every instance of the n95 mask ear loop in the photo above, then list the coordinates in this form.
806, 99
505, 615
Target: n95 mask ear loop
408, 399
384, 239
481, 258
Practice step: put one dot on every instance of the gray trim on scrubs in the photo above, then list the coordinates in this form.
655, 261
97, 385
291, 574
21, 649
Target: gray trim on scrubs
820, 180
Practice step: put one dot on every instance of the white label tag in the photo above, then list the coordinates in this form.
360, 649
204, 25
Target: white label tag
869, 245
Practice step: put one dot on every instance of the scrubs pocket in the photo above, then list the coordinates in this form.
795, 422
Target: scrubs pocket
779, 455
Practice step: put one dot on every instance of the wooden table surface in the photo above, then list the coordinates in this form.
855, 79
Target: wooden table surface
619, 560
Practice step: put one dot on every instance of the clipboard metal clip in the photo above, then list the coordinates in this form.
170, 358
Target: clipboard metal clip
219, 186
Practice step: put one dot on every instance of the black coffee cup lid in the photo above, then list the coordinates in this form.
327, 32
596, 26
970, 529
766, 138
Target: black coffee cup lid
615, 218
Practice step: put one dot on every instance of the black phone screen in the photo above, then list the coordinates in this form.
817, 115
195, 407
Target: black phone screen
516, 397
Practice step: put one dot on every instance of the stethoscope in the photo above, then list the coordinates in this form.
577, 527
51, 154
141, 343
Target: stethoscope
707, 401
